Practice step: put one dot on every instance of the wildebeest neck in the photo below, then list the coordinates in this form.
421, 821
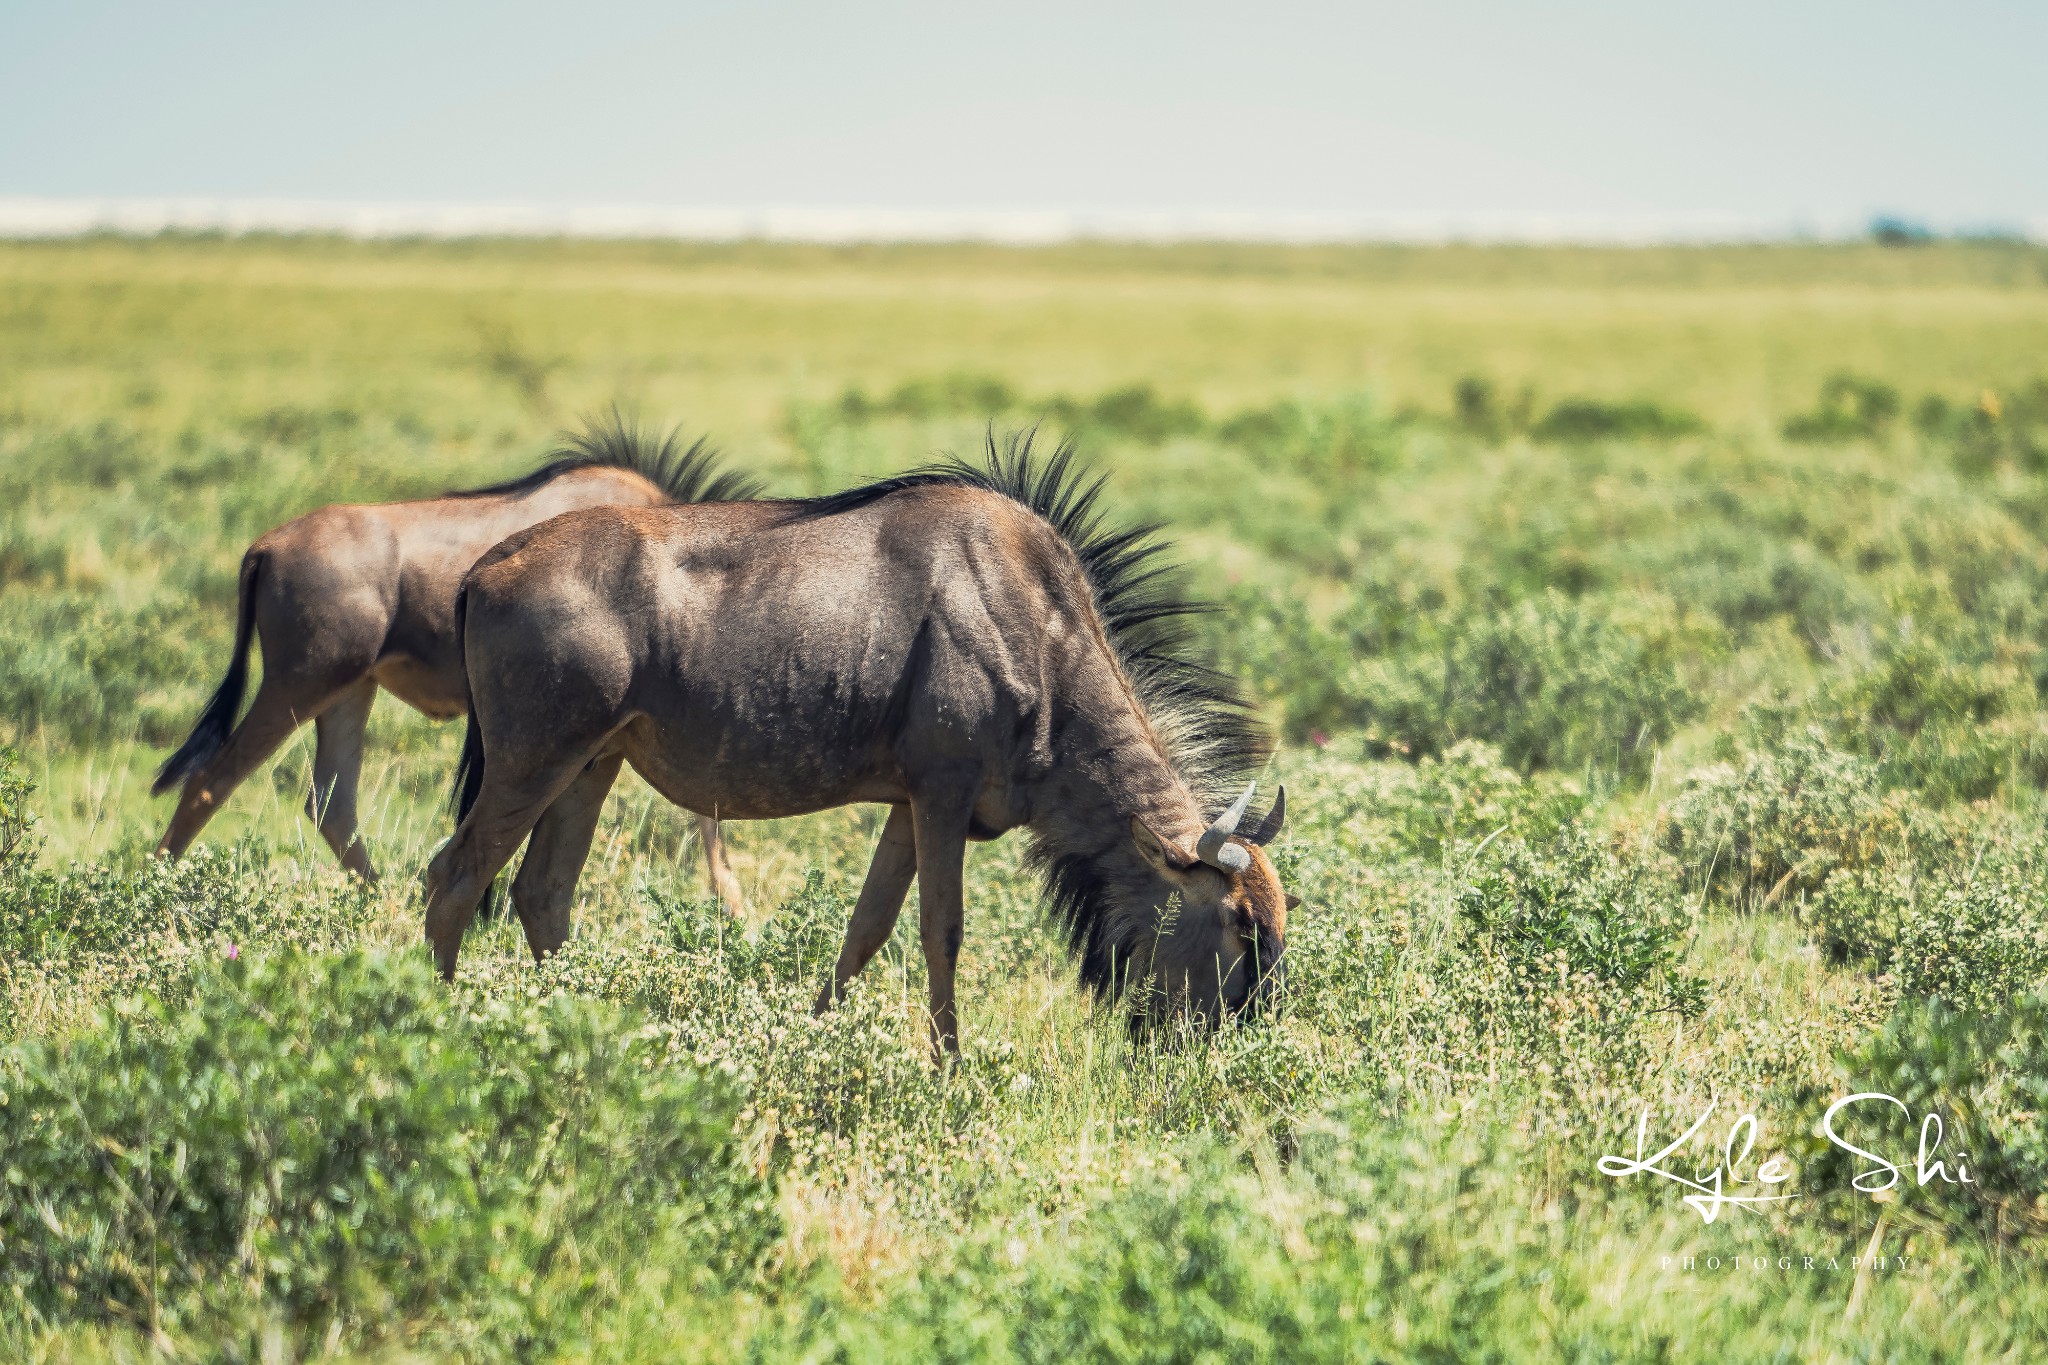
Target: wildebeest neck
1101, 891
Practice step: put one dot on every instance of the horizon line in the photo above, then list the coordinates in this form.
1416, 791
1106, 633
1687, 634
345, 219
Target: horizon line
28, 217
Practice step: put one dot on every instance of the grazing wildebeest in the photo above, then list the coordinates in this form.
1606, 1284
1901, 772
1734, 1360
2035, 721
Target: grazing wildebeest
968, 644
350, 598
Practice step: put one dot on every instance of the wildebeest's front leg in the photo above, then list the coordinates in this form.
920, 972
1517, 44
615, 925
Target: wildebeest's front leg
941, 814
555, 854
337, 768
881, 901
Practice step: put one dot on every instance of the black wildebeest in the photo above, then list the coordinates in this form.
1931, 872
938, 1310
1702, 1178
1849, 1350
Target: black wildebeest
347, 599
970, 645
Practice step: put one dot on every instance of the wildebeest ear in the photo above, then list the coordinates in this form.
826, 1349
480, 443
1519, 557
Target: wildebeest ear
1159, 854
1293, 901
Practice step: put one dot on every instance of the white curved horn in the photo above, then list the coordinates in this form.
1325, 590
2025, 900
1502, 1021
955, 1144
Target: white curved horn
1269, 828
1215, 848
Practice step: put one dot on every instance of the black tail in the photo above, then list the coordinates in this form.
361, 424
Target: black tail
217, 721
469, 769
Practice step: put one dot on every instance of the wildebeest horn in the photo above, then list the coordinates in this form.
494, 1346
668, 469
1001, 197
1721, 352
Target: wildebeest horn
1215, 848
1269, 828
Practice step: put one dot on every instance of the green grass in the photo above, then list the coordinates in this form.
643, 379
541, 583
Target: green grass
1665, 725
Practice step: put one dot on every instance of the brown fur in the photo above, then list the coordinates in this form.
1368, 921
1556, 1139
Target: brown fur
348, 599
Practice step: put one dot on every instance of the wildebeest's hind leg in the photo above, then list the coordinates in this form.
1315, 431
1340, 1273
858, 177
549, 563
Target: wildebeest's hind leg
555, 854
717, 870
272, 717
337, 768
507, 807
881, 901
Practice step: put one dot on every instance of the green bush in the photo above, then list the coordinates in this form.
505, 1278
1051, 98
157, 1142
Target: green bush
1848, 409
1477, 409
1306, 666
2009, 431
1553, 683
960, 394
1984, 1071
343, 1142
30, 559
105, 930
102, 456
852, 1090
78, 670
1586, 419
1746, 582
1570, 908
1447, 804
1134, 412
1979, 935
1777, 821
1952, 720
18, 844
1945, 900
1345, 438
1364, 1249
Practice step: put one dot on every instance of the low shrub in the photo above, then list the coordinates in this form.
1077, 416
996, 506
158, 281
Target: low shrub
1848, 409
1574, 685
18, 843
99, 931
1478, 410
1996, 431
1446, 804
849, 1095
1305, 664
1975, 934
960, 394
1776, 821
1724, 571
341, 1142
1950, 720
78, 670
1341, 439
1360, 1251
1984, 1072
1569, 908
1552, 682
1135, 412
1587, 419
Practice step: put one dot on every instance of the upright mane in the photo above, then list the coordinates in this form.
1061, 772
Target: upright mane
685, 473
1211, 736
1204, 721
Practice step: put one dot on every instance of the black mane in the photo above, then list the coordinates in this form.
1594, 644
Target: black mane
1210, 734
686, 474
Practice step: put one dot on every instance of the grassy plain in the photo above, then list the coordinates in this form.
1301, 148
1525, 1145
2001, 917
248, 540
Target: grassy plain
1658, 639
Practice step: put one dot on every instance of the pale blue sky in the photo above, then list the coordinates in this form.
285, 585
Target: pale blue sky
1766, 111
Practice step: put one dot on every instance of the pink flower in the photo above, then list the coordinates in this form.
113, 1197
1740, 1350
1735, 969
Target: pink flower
1319, 739
234, 951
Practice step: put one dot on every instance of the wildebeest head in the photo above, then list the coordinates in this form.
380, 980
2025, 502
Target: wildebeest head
1222, 924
